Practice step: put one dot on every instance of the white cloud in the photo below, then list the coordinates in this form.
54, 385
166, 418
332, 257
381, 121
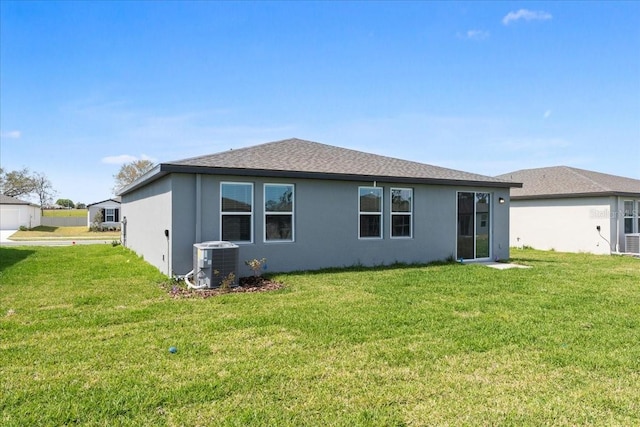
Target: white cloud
476, 35
527, 15
12, 134
125, 158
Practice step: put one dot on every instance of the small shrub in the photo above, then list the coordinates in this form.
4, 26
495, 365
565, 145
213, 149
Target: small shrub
96, 225
225, 283
256, 265
23, 228
115, 243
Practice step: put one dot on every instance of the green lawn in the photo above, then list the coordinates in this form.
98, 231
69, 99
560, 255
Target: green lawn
65, 213
85, 333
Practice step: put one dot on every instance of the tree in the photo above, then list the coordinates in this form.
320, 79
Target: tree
24, 183
98, 218
129, 172
67, 203
17, 183
43, 189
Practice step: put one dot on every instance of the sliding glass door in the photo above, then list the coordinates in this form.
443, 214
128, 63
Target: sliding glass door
474, 225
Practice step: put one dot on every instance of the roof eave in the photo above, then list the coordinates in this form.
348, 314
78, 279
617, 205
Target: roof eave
575, 195
102, 201
155, 173
209, 170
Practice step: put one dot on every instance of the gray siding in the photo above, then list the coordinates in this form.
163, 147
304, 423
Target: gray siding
326, 224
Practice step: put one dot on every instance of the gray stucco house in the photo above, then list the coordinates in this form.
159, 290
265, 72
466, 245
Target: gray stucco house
575, 210
303, 205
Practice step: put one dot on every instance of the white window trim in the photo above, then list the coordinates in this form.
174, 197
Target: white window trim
292, 213
107, 215
392, 213
250, 214
381, 213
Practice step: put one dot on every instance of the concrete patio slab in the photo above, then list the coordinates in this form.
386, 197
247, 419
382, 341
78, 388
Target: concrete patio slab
503, 265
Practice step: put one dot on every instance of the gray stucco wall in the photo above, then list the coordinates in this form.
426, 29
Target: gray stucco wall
148, 213
326, 224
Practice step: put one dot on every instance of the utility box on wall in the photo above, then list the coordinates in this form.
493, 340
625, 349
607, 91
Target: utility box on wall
215, 262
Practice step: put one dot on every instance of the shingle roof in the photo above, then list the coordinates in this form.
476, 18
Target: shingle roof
297, 158
296, 155
565, 181
8, 200
115, 199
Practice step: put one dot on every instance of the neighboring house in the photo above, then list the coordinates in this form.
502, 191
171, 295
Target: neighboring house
304, 205
574, 210
110, 210
15, 213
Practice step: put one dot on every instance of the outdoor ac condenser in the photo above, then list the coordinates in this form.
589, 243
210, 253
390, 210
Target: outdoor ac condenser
214, 262
632, 243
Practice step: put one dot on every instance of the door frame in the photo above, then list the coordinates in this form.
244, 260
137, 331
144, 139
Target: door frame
475, 226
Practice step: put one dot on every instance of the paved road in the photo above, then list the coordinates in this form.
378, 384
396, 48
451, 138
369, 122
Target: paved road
4, 241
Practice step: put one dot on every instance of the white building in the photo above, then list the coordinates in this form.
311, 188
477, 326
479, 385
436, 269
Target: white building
574, 210
109, 210
15, 213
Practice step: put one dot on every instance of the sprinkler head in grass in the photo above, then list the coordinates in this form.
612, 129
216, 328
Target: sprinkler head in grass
172, 349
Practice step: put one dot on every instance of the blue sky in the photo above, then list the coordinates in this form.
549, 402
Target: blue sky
485, 87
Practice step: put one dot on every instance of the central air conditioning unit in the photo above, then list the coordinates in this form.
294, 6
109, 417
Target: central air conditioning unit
213, 263
632, 243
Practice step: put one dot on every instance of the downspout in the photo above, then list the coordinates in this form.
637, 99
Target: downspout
617, 217
198, 230
124, 231
166, 234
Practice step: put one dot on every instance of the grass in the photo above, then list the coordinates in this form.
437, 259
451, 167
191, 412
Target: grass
86, 331
63, 213
44, 232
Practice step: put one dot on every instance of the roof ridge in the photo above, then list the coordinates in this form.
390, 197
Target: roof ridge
556, 181
237, 149
579, 172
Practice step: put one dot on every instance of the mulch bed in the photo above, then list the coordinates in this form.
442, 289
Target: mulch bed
245, 284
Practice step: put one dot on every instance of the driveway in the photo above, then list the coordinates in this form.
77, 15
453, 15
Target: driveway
4, 235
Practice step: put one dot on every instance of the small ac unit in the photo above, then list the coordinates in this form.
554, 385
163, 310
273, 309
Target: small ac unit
214, 262
632, 243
